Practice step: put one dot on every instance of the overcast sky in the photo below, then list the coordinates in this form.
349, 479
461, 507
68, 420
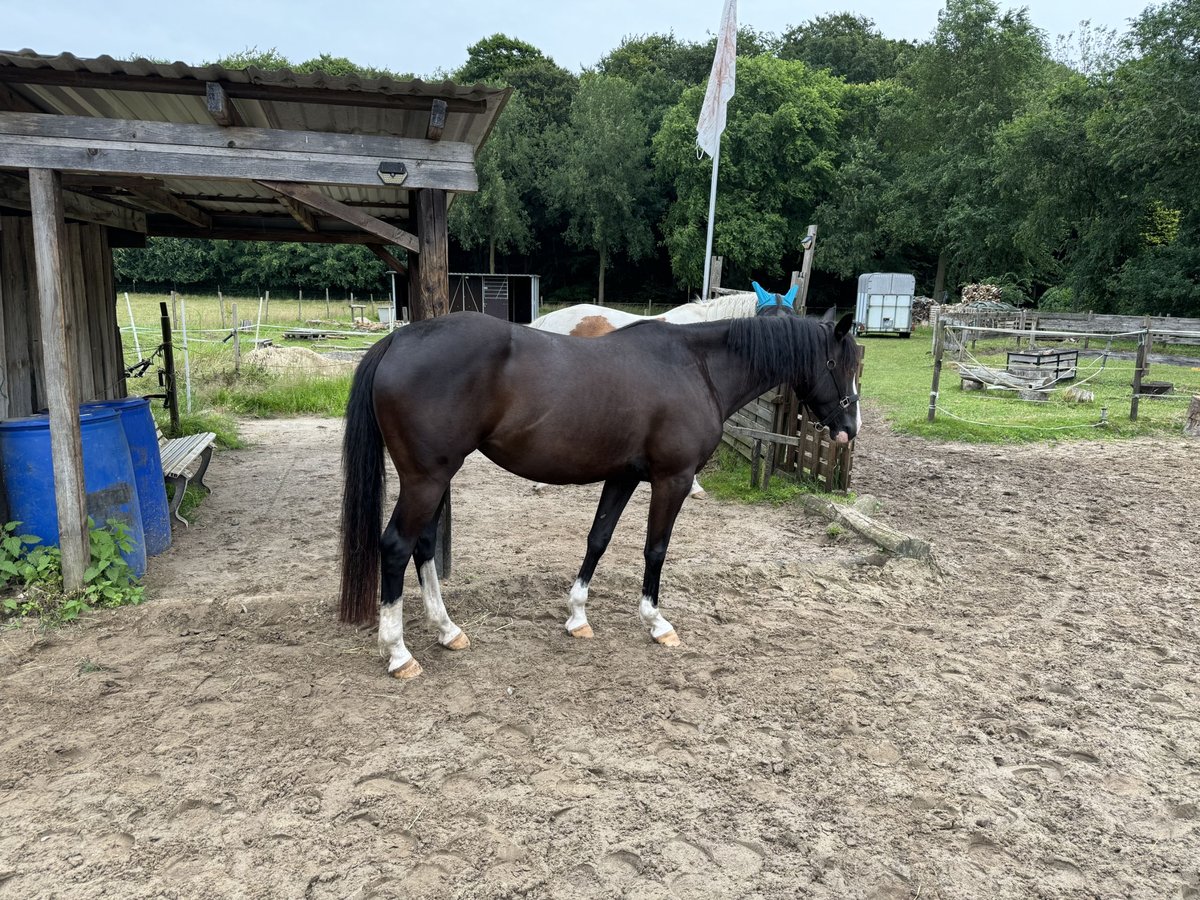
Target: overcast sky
431, 36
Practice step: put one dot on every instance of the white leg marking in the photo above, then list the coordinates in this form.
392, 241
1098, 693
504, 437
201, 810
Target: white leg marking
653, 619
391, 635
697, 491
579, 595
435, 610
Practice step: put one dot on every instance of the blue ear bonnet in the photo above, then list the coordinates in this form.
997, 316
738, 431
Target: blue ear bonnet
766, 298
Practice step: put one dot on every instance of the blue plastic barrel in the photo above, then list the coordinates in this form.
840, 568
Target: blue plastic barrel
140, 432
27, 471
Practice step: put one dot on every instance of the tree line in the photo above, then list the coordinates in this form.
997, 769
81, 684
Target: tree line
1063, 171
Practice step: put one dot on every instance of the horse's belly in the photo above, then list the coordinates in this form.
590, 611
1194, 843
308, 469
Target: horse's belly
562, 458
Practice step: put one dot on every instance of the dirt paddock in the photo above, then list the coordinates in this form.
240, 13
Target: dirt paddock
1020, 721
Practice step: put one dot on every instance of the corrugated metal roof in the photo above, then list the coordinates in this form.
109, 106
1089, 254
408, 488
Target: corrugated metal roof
144, 90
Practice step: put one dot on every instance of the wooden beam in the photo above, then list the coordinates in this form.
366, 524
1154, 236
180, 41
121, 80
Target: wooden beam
14, 193
154, 84
390, 261
160, 198
220, 106
230, 232
313, 198
62, 391
434, 271
164, 149
299, 212
437, 120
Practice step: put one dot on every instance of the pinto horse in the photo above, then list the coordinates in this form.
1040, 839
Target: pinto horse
644, 403
589, 320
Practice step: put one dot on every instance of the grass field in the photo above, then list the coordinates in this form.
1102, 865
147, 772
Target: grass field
897, 375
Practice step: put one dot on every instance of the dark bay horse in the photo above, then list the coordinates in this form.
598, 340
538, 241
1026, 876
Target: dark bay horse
644, 403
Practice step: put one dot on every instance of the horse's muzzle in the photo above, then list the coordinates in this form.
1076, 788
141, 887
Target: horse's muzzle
841, 438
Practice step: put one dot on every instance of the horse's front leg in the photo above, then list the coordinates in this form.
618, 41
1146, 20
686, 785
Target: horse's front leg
666, 498
450, 635
613, 499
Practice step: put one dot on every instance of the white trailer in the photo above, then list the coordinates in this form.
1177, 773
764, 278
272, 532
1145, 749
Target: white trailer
885, 303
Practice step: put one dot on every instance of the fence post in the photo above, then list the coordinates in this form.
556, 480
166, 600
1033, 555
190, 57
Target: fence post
939, 343
300, 305
169, 368
137, 344
187, 360
327, 303
237, 341
221, 307
1139, 373
268, 311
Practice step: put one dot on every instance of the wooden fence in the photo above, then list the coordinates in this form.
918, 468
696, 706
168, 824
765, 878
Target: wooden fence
1168, 329
794, 443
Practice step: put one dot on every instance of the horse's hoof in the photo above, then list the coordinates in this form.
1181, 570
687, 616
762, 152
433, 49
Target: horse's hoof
410, 669
699, 495
583, 631
462, 642
670, 639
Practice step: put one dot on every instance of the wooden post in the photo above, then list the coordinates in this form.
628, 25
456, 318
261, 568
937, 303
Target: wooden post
714, 281
267, 313
62, 384
300, 305
237, 341
169, 368
810, 246
174, 307
187, 359
755, 461
1139, 373
221, 307
1191, 427
327, 303
433, 298
939, 344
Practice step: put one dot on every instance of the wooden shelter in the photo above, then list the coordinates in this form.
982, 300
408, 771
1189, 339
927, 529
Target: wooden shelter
99, 153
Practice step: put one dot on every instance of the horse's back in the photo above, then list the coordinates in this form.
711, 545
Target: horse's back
585, 320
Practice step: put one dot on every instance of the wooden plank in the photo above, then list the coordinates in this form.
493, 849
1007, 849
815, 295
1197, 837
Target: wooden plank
220, 105
282, 93
75, 300
162, 199
229, 164
392, 263
264, 234
14, 193
437, 120
434, 274
299, 212
121, 132
313, 198
66, 444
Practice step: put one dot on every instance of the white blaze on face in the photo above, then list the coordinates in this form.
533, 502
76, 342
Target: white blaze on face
653, 619
857, 405
391, 635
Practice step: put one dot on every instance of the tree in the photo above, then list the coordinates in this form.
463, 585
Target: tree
777, 162
497, 216
602, 185
977, 73
501, 60
846, 45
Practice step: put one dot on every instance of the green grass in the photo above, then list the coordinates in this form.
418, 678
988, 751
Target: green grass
282, 395
727, 477
898, 373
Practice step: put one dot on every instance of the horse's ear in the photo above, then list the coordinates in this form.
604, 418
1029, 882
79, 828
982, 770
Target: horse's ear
844, 326
789, 299
830, 315
763, 297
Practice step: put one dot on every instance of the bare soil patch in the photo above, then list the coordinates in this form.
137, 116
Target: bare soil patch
1019, 721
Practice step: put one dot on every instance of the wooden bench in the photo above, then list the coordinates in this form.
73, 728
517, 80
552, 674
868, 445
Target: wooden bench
178, 455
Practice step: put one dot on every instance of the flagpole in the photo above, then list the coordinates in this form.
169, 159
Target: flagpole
712, 215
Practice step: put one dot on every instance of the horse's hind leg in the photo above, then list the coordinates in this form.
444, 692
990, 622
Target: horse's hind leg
416, 506
450, 635
613, 498
666, 498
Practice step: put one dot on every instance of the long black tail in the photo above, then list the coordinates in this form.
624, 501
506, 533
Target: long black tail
362, 494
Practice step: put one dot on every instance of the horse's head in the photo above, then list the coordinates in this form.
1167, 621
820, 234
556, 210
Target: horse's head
833, 388
774, 304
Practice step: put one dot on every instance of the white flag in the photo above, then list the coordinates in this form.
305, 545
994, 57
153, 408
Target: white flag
720, 84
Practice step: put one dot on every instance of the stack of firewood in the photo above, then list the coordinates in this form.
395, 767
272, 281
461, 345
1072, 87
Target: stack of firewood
980, 293
920, 309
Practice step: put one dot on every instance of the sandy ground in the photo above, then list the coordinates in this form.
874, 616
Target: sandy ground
1019, 721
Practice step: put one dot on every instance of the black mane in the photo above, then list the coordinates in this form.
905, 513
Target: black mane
790, 349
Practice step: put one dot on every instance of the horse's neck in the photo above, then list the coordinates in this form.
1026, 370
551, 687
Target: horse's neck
733, 382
